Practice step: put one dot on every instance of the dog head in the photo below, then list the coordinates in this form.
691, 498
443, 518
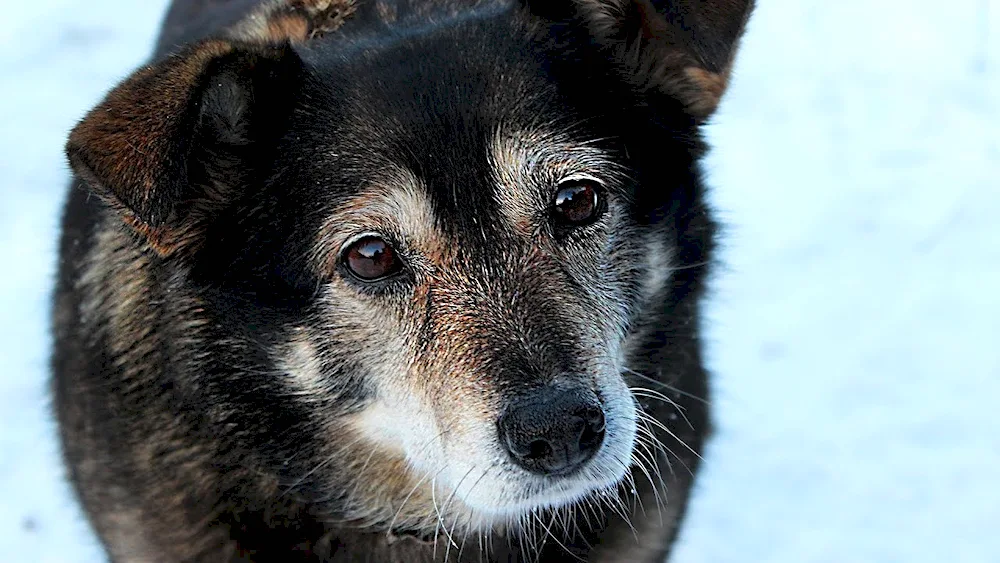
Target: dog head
440, 242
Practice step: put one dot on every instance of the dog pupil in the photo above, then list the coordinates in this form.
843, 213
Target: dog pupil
577, 202
371, 258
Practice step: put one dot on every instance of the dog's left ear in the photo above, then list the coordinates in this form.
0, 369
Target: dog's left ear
682, 48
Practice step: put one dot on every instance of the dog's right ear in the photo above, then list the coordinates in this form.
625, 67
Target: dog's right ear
172, 144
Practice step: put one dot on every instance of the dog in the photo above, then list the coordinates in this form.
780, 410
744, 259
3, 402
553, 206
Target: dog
393, 280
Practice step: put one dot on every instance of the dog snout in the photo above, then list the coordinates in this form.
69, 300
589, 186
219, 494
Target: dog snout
552, 431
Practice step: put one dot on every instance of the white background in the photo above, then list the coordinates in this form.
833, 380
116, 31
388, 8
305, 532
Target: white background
854, 330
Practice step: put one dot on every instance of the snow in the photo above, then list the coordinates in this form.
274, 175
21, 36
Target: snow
853, 331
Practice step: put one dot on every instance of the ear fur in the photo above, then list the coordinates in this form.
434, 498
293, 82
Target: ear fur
143, 148
293, 20
683, 48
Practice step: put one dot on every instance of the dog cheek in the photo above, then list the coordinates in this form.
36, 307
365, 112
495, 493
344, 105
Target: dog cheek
377, 341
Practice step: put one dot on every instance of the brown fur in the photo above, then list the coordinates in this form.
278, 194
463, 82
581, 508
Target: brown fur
690, 62
129, 139
293, 20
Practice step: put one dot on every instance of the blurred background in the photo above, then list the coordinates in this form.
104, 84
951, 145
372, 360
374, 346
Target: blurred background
853, 328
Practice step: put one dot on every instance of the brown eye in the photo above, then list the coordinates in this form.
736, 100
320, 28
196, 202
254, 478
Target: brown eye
371, 258
577, 202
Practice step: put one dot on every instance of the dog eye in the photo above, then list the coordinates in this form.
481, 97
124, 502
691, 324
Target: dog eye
371, 258
577, 202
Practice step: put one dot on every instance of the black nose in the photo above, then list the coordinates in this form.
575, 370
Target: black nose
552, 431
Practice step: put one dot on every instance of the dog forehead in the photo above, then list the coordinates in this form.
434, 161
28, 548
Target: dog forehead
428, 179
492, 191
458, 130
450, 228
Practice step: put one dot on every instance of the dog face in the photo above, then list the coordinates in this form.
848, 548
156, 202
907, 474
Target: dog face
442, 257
478, 273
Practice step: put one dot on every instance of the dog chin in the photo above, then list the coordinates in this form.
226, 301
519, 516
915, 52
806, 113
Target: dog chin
514, 494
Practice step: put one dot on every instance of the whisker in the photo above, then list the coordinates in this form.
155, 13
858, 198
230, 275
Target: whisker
405, 500
574, 520
646, 471
651, 394
666, 386
361, 472
658, 492
620, 512
447, 504
652, 443
319, 466
548, 531
663, 427
440, 521
667, 451
690, 266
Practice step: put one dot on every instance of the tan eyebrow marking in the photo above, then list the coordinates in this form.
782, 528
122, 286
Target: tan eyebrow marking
527, 166
394, 205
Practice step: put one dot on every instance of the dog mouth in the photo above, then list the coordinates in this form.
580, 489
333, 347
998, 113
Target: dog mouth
554, 448
545, 449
